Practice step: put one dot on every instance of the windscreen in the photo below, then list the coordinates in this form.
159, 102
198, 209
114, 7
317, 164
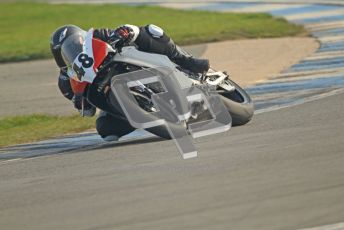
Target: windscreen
72, 47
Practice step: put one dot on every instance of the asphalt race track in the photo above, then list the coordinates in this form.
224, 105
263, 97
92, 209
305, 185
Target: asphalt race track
283, 170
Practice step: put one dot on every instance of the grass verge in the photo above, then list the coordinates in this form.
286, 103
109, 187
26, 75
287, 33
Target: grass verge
27, 128
26, 27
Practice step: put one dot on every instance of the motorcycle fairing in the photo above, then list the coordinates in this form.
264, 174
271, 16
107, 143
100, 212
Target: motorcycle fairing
130, 54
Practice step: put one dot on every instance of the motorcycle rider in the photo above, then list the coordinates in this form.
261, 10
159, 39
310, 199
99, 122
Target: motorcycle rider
149, 38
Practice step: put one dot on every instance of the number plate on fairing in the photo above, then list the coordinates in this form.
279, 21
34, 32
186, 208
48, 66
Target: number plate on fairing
87, 62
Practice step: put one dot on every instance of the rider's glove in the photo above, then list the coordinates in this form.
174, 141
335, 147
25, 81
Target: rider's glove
83, 106
121, 36
125, 33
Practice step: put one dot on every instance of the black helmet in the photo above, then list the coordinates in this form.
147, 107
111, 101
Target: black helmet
58, 37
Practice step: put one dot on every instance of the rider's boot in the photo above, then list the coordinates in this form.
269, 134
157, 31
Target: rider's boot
185, 60
111, 128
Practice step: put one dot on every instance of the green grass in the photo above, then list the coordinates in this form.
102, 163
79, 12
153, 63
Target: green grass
25, 28
27, 128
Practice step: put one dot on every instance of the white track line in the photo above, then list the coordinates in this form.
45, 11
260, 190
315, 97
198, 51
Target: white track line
328, 2
324, 26
182, 6
338, 226
337, 52
264, 8
331, 39
9, 161
305, 77
300, 102
309, 72
325, 55
317, 14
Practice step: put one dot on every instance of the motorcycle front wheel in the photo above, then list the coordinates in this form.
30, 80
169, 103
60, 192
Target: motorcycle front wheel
239, 104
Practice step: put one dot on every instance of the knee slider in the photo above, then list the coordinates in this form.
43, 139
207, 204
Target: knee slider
103, 126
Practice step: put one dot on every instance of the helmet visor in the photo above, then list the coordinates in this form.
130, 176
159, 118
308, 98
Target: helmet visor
72, 47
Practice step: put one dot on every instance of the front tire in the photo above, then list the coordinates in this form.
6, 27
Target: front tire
239, 104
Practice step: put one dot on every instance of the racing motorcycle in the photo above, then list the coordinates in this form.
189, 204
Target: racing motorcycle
104, 67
